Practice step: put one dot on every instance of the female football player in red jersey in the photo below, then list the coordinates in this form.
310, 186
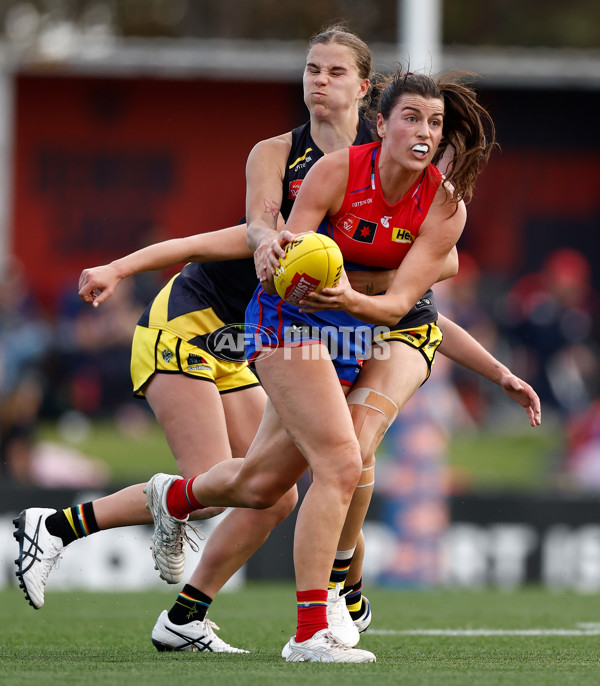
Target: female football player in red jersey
372, 197
334, 124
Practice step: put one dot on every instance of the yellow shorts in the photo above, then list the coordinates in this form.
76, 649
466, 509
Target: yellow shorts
425, 338
156, 351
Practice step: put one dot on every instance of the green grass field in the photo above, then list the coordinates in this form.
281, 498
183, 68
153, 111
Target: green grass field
454, 638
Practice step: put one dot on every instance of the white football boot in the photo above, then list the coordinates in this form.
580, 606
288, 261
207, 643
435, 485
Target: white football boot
339, 620
168, 539
362, 623
39, 552
195, 636
324, 647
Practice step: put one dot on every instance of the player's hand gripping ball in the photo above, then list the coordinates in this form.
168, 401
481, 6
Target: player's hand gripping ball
311, 262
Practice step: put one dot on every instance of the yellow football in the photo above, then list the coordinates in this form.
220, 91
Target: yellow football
311, 262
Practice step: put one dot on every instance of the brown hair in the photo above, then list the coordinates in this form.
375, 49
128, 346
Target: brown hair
468, 126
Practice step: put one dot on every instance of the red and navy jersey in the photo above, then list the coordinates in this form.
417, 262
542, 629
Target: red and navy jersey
374, 235
370, 232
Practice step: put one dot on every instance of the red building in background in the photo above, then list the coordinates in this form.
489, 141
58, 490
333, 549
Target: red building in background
108, 165
103, 165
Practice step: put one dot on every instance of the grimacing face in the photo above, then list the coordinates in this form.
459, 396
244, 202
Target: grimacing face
331, 80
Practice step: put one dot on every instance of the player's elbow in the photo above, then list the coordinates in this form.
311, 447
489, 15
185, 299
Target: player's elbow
451, 268
395, 309
390, 321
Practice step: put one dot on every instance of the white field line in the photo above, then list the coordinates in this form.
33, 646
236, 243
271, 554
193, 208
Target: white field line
585, 629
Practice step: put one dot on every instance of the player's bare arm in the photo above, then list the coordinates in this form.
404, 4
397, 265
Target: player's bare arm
97, 284
420, 269
320, 191
265, 171
451, 265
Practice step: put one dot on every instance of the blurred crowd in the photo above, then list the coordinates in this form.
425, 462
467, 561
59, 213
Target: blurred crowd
545, 327
74, 362
65, 367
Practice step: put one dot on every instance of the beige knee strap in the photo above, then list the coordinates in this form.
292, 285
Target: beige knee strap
374, 400
365, 476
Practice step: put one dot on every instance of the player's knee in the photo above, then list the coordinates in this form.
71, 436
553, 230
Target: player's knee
285, 505
350, 475
260, 492
342, 470
279, 510
372, 415
261, 500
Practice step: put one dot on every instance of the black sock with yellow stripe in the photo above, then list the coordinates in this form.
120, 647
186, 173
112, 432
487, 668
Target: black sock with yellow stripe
341, 565
354, 601
73, 523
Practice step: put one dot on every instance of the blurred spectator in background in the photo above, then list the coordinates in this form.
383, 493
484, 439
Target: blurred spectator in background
460, 300
583, 454
90, 365
76, 366
25, 337
550, 317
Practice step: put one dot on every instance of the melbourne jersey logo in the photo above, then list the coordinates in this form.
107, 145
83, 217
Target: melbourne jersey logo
385, 221
347, 224
356, 228
402, 236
